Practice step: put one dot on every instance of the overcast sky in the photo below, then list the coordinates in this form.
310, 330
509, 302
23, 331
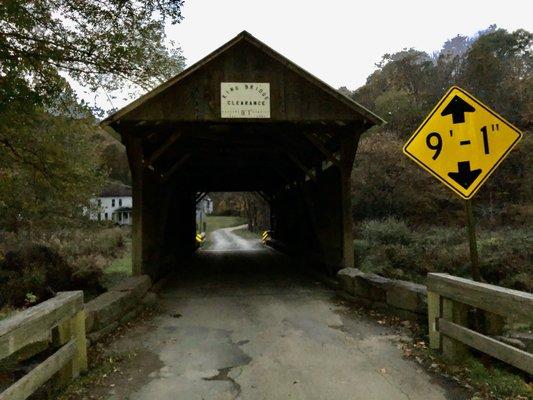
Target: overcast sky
338, 41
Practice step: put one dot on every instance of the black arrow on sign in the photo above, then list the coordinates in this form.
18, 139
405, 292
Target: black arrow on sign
457, 107
465, 176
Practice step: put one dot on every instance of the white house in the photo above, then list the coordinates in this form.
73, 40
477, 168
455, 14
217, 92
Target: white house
203, 208
113, 204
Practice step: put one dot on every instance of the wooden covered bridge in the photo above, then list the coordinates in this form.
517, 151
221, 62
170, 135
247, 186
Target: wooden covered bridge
244, 118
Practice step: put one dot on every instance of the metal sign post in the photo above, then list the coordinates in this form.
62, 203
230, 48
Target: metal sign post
471, 225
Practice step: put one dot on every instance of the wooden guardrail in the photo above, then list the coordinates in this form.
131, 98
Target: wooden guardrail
63, 319
449, 298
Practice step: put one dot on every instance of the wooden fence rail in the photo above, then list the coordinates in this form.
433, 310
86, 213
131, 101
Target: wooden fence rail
63, 319
449, 298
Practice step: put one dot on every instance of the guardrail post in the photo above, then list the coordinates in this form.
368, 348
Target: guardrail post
72, 328
77, 326
60, 336
434, 312
457, 313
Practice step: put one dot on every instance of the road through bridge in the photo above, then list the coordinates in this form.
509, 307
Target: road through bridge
241, 321
237, 325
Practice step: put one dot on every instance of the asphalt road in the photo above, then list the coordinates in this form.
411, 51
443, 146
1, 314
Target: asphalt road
244, 324
226, 240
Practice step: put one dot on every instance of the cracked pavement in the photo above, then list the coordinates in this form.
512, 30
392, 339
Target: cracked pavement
249, 325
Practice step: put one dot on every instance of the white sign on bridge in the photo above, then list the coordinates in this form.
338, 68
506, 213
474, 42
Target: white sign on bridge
244, 100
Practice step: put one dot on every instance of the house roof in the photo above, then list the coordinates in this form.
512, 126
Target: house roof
244, 36
115, 189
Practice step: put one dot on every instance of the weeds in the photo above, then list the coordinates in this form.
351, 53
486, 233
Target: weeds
391, 248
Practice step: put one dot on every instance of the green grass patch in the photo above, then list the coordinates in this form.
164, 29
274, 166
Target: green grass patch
214, 222
497, 382
119, 269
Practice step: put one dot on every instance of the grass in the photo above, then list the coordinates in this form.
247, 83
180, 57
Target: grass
496, 382
214, 222
119, 269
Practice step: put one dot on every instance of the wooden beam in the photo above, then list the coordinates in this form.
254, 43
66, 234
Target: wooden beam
434, 313
322, 148
200, 194
348, 149
509, 354
283, 176
496, 299
264, 196
307, 171
29, 383
138, 177
161, 149
457, 313
201, 197
36, 322
166, 176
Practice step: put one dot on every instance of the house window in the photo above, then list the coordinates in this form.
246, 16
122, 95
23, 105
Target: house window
105, 216
120, 202
113, 203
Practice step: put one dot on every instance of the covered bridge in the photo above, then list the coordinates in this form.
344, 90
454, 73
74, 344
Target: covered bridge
244, 118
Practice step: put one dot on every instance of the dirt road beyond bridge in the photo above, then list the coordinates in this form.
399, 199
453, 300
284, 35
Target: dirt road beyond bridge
245, 324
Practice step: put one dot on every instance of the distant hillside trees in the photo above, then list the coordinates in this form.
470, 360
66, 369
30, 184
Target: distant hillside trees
497, 67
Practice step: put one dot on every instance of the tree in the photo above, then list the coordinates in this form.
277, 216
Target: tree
49, 172
115, 159
100, 43
48, 163
498, 68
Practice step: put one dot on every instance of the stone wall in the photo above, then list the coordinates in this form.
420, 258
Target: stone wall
118, 305
407, 299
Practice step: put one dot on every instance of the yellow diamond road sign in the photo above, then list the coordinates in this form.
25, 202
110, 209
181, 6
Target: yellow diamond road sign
462, 142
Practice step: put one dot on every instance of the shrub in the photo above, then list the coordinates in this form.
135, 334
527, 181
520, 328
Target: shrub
66, 260
387, 231
29, 279
390, 248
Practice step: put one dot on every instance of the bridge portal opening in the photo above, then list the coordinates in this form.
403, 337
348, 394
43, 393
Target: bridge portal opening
231, 220
242, 119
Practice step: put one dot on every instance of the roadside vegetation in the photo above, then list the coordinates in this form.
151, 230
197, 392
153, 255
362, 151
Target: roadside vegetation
407, 222
53, 155
33, 269
392, 248
120, 268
